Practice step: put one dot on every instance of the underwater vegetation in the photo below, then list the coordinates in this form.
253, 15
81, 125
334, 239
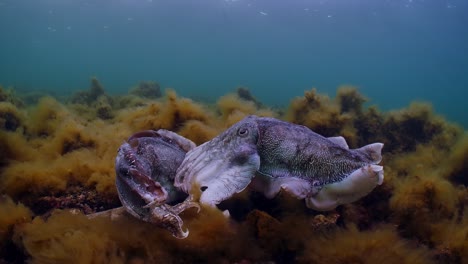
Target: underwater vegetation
57, 166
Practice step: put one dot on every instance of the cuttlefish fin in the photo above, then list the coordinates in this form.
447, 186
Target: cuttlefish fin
340, 141
373, 151
184, 143
361, 182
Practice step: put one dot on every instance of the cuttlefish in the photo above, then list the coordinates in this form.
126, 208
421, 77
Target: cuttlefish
161, 174
145, 168
273, 156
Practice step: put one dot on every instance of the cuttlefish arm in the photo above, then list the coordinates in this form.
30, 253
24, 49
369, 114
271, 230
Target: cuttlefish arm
222, 166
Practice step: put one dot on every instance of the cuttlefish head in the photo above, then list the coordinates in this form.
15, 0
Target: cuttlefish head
223, 166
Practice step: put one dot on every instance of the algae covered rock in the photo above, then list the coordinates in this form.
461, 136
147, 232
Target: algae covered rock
147, 89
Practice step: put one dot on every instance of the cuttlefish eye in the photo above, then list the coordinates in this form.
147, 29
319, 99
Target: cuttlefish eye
242, 132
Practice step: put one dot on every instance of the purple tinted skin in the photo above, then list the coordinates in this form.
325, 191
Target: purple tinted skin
145, 169
276, 156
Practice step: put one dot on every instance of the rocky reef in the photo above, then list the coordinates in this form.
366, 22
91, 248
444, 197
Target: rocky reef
57, 165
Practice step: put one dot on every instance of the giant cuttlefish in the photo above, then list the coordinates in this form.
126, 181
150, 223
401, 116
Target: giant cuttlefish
273, 156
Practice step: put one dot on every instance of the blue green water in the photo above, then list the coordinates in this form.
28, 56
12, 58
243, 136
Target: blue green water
394, 51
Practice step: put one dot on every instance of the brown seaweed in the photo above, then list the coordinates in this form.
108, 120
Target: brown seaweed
57, 161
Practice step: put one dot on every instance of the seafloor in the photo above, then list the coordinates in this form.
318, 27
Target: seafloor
57, 165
